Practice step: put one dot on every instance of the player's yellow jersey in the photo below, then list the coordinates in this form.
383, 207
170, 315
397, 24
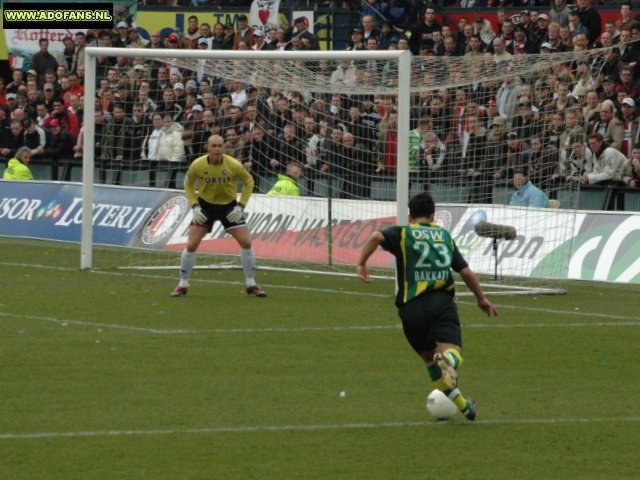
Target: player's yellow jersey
217, 184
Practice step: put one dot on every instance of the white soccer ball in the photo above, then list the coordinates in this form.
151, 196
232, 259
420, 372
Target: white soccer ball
440, 406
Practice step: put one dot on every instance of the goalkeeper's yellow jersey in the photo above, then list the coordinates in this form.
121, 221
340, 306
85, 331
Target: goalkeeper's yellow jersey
217, 184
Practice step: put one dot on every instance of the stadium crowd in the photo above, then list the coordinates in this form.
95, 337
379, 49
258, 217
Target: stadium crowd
573, 121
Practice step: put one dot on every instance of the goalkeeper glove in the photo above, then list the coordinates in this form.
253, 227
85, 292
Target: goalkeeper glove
199, 216
236, 214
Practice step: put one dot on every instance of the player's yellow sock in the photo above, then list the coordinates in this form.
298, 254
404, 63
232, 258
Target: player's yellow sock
457, 398
454, 356
435, 373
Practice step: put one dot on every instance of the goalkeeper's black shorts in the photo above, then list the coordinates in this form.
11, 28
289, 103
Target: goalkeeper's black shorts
219, 213
429, 318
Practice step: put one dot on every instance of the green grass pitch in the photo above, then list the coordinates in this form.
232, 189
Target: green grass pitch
104, 376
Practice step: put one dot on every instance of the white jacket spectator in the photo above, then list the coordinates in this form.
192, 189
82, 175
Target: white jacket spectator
170, 143
607, 165
434, 152
345, 74
150, 145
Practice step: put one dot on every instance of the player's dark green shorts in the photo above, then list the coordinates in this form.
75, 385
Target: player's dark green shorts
429, 318
219, 213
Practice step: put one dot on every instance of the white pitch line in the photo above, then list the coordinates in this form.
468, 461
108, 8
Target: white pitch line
577, 313
285, 428
341, 328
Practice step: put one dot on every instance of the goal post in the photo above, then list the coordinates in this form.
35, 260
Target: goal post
402, 58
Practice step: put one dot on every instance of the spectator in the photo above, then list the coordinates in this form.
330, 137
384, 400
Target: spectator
258, 154
123, 131
521, 42
68, 119
14, 140
135, 40
585, 81
608, 90
288, 147
202, 130
424, 30
358, 166
356, 43
301, 30
35, 137
527, 194
433, 155
560, 12
552, 38
609, 37
608, 125
18, 166
543, 163
388, 143
509, 94
627, 82
122, 35
566, 43
625, 20
591, 110
180, 98
170, 106
500, 54
571, 168
572, 130
243, 33
313, 139
230, 34
271, 42
42, 113
43, 61
541, 30
369, 29
171, 147
506, 34
482, 27
608, 164
590, 18
17, 80
233, 144
518, 156
630, 125
372, 8
78, 56
172, 41
60, 146
632, 175
387, 36
526, 122
150, 143
217, 41
103, 141
68, 52
472, 151
156, 40
287, 183
193, 33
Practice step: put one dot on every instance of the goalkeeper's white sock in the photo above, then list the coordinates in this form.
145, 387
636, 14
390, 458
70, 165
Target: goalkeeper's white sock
248, 259
187, 261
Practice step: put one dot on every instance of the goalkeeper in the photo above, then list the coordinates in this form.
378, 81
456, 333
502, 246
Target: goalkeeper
217, 175
425, 255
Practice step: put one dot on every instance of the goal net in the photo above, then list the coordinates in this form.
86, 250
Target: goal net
366, 130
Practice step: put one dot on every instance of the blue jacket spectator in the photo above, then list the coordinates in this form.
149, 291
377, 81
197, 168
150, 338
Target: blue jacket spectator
527, 194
